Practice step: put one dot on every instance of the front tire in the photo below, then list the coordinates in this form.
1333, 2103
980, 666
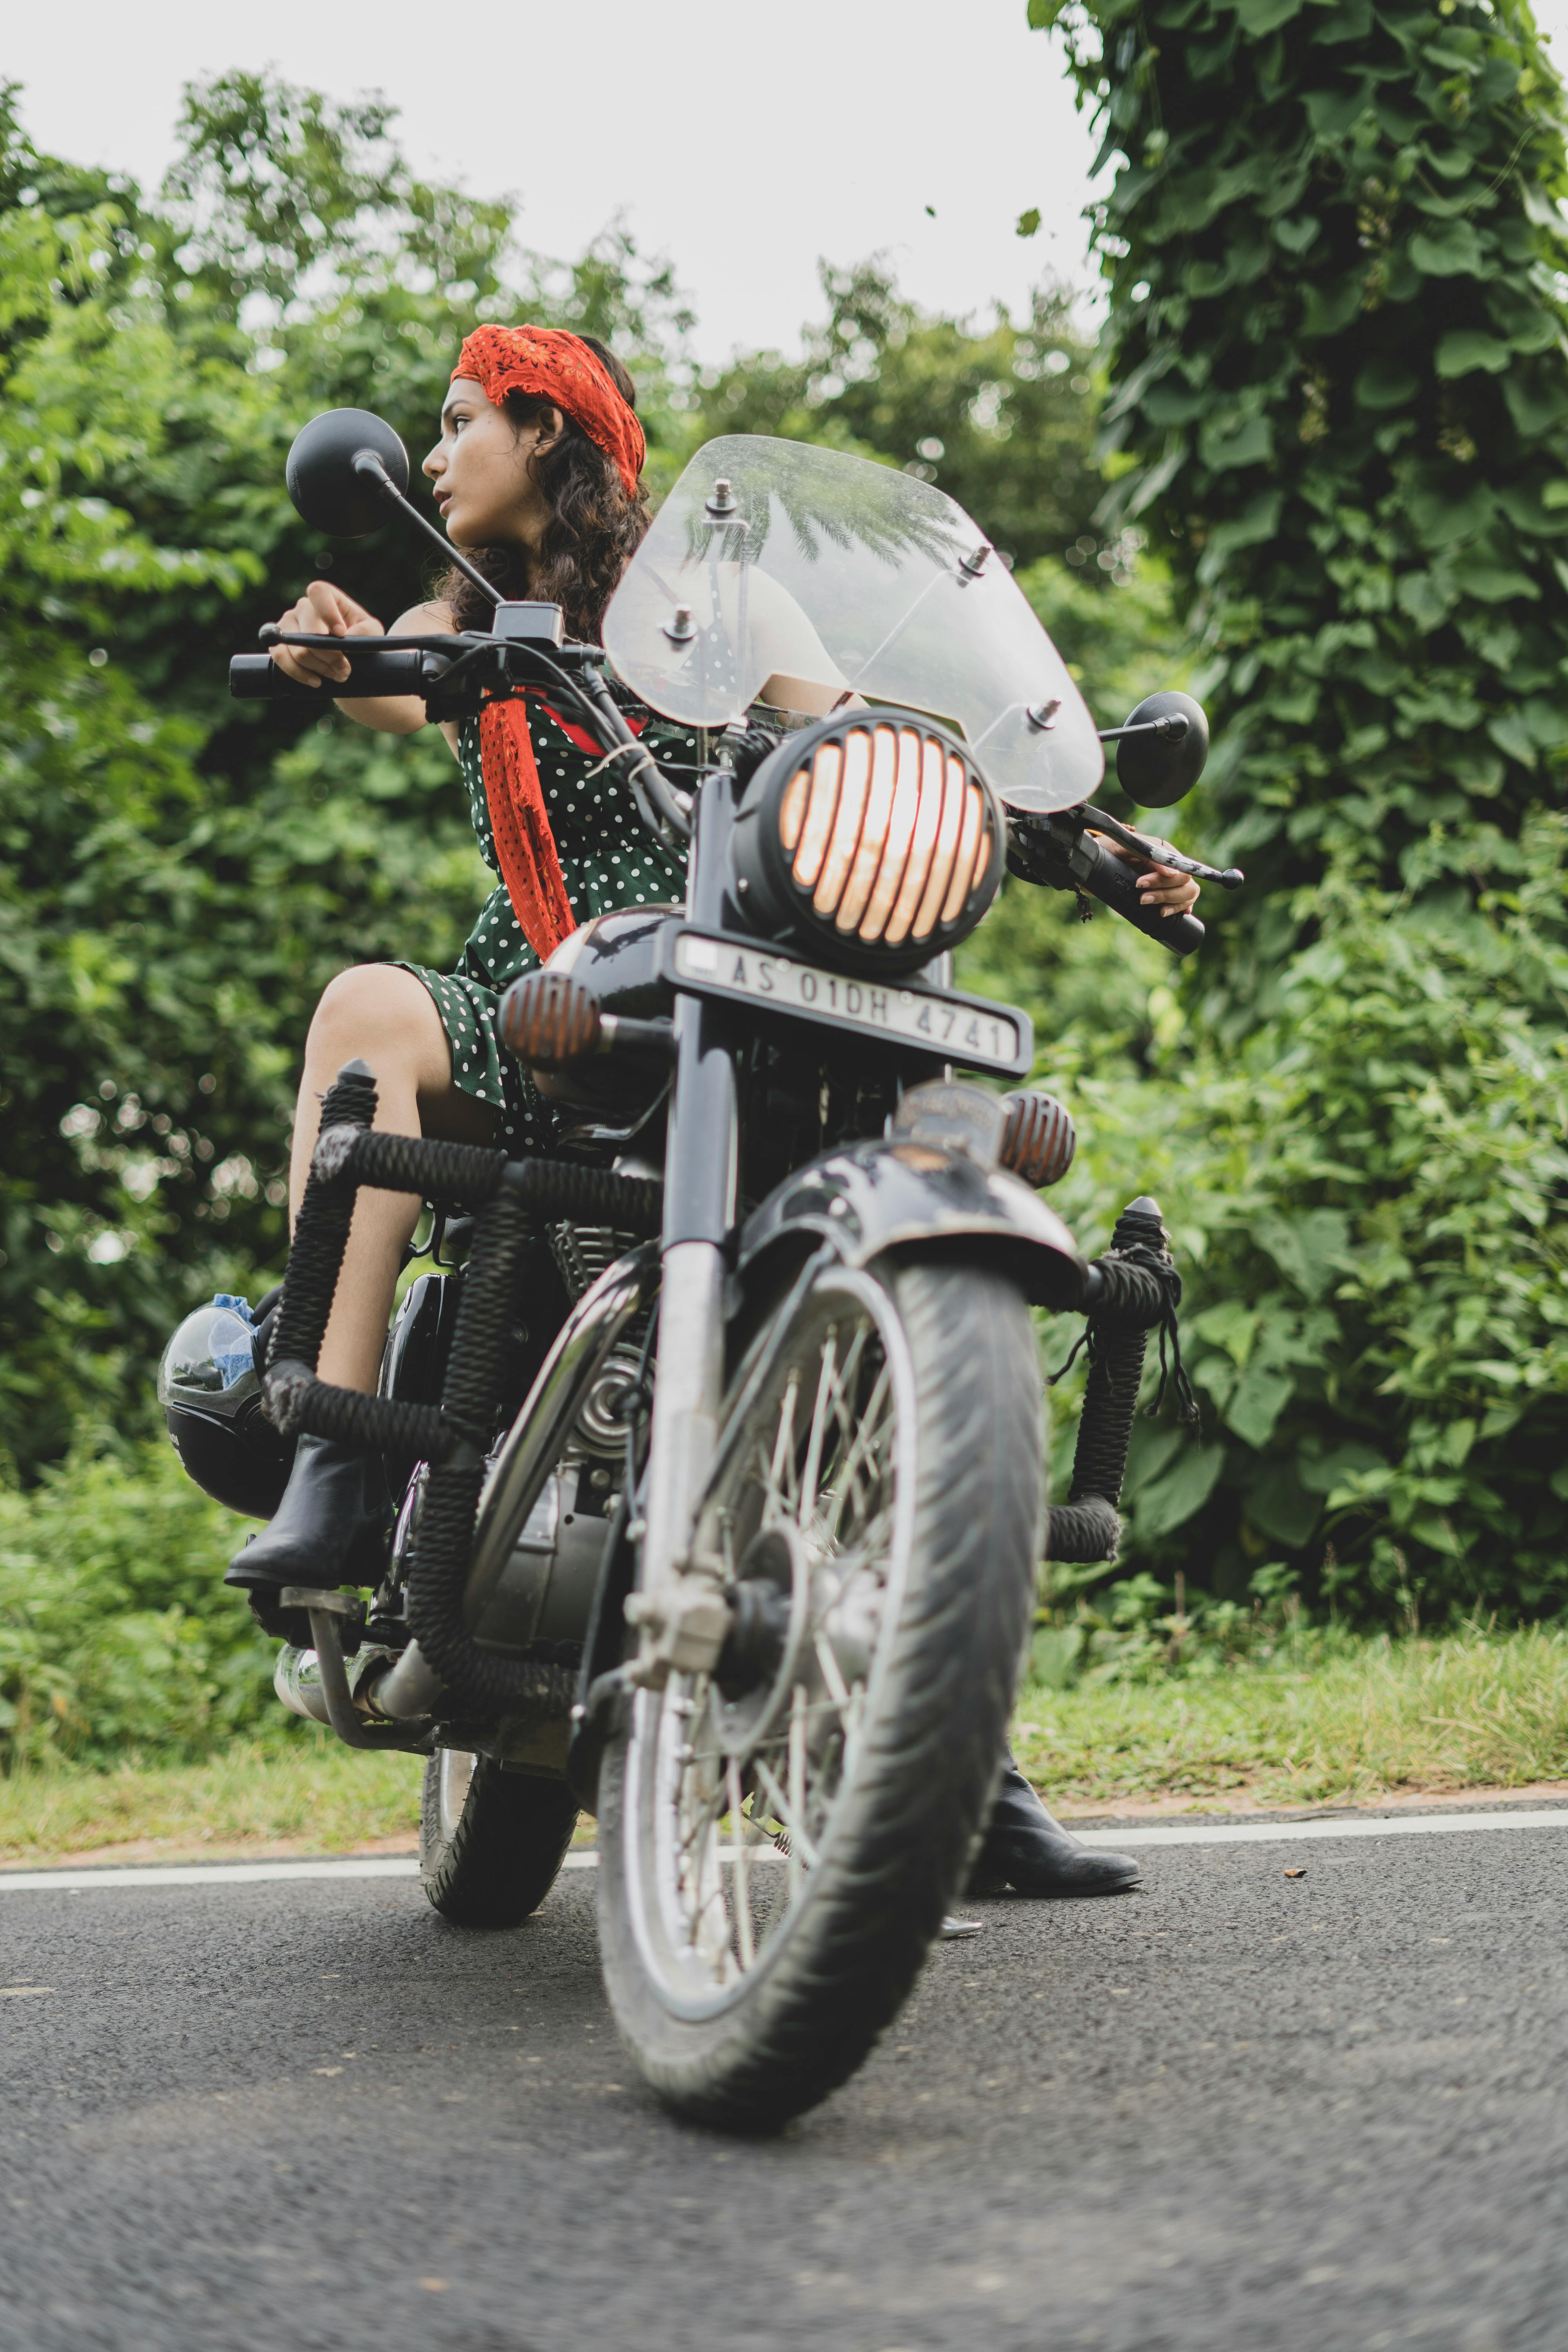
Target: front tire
491, 1842
776, 1861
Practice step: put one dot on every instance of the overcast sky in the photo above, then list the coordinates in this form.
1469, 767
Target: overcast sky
742, 139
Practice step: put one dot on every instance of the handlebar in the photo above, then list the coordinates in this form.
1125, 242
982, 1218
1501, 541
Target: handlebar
1062, 853
256, 677
450, 673
1114, 883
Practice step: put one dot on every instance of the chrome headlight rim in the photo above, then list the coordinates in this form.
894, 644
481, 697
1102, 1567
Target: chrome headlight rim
881, 862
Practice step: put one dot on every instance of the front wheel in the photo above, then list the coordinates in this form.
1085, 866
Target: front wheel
777, 1849
491, 1842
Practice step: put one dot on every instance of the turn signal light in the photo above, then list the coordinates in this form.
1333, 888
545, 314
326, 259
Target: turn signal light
1040, 1139
551, 1021
550, 1018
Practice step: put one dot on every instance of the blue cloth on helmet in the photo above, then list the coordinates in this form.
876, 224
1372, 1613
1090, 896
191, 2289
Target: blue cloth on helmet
233, 1341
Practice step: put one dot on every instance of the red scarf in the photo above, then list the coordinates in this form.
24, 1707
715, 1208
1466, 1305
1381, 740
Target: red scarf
519, 826
519, 822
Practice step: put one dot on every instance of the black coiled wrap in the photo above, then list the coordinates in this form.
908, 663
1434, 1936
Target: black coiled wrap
474, 1677
321, 1233
465, 1175
507, 1197
1138, 1290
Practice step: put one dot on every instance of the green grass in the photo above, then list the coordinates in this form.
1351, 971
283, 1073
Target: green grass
309, 1794
1374, 1719
1383, 1718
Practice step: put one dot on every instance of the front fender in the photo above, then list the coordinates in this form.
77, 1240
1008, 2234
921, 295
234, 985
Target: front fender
865, 1198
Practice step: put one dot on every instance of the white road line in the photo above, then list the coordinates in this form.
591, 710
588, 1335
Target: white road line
250, 1873
1353, 1826
201, 1873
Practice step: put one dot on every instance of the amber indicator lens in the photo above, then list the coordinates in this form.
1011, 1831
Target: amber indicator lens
550, 1019
1040, 1139
888, 833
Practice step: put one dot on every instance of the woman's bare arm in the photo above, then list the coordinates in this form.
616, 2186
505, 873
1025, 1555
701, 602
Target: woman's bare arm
324, 610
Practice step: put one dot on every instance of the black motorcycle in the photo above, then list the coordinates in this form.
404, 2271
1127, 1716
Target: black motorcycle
719, 1434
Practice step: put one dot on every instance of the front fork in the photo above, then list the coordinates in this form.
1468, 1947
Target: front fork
678, 1607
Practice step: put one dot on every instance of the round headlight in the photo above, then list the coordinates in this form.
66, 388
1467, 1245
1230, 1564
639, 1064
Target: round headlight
873, 833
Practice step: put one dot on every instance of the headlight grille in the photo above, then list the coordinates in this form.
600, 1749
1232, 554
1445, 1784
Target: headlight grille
889, 834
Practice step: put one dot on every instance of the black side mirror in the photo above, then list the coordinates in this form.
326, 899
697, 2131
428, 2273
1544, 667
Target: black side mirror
337, 467
345, 469
1161, 750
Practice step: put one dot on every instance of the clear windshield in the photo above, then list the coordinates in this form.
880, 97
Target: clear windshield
779, 572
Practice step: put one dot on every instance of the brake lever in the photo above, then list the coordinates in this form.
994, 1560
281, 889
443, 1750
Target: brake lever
1160, 853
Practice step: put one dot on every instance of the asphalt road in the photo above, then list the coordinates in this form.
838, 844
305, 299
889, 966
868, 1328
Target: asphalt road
1236, 2110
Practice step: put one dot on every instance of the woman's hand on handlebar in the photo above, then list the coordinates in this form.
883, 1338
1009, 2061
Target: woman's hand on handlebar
1160, 887
323, 611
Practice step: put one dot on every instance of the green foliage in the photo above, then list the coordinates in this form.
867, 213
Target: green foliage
1338, 398
1367, 1194
179, 875
1137, 1630
116, 1637
1338, 404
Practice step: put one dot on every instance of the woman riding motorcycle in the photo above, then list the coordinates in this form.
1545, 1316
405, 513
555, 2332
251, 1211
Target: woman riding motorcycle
536, 477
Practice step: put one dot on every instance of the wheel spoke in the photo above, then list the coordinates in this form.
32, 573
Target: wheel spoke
869, 1435
783, 1461
819, 1459
742, 1868
794, 1826
831, 1675
825, 1401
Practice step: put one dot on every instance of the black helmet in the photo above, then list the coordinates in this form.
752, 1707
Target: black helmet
210, 1389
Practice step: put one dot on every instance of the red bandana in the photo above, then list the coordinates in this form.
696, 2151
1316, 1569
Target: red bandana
520, 824
552, 365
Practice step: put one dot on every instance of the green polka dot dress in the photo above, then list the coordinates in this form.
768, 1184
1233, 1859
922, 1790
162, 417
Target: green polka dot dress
608, 860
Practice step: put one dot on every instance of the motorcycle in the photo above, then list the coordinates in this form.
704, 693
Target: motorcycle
718, 1435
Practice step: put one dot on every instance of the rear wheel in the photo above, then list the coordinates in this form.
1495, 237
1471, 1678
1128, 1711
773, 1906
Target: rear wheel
776, 1852
491, 1842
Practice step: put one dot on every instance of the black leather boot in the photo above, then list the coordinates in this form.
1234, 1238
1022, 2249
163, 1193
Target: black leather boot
1025, 1850
333, 1509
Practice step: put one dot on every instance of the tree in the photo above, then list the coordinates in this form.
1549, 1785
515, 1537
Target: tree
1000, 417
1338, 399
180, 875
1338, 396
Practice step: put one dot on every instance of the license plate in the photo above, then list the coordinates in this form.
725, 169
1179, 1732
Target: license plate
969, 1030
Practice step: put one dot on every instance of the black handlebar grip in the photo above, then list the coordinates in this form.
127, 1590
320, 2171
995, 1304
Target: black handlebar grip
1115, 884
256, 677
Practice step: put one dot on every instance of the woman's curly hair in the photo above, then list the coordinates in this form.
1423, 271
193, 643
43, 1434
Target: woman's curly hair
594, 527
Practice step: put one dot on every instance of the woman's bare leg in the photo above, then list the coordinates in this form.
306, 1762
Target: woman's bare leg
385, 1017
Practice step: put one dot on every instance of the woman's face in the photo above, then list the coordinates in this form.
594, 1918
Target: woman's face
484, 492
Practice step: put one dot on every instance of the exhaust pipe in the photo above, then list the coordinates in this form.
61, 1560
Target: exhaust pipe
408, 1687
297, 1680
